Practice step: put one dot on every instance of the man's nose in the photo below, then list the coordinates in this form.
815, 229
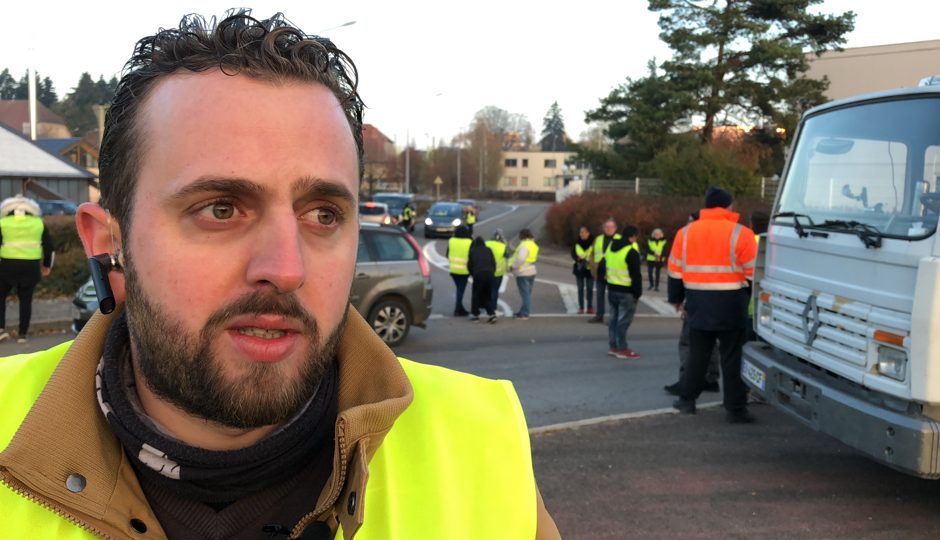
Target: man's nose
277, 256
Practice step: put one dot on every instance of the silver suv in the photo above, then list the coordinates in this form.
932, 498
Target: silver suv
392, 285
391, 288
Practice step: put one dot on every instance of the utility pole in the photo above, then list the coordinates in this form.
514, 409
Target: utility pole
459, 147
407, 162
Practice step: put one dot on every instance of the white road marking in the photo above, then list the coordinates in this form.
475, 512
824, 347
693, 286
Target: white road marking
512, 209
660, 306
564, 426
433, 257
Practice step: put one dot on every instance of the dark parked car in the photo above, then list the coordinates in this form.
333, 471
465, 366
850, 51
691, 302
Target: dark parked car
84, 305
57, 208
443, 218
391, 288
396, 201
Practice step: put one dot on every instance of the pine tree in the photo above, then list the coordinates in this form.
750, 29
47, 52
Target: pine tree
553, 130
746, 59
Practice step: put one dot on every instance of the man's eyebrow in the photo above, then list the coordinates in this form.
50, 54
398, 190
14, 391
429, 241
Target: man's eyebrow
220, 185
310, 187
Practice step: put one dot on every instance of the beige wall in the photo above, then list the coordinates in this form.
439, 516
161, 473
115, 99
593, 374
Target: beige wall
530, 172
870, 69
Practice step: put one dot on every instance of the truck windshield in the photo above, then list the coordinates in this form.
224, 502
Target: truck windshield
873, 166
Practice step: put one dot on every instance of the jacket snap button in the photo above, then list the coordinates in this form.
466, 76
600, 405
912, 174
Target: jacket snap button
75, 483
351, 503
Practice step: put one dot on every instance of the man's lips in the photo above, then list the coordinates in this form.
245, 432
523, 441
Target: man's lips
265, 338
265, 324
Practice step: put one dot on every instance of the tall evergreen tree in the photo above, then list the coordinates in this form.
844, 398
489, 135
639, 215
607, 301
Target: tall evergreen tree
45, 92
553, 130
8, 85
76, 108
746, 59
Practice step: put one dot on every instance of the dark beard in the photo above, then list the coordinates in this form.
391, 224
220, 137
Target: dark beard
181, 368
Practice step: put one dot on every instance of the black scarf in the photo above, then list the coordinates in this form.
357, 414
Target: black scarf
205, 475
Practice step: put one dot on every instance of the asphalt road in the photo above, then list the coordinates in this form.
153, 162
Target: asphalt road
635, 469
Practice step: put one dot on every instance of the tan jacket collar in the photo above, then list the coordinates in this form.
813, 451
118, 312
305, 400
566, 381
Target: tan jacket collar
65, 435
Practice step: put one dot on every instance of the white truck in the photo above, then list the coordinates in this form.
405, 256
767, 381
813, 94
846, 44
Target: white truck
847, 288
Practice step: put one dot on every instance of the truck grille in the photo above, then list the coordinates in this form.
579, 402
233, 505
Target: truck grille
828, 330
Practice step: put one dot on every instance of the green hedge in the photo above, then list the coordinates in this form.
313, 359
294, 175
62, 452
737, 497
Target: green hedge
645, 211
71, 265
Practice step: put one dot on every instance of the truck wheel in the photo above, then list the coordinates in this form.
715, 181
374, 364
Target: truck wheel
391, 320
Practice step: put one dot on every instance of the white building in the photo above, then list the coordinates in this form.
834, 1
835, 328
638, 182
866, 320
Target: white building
534, 170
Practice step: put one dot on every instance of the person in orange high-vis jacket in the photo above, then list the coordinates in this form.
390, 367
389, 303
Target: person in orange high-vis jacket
711, 266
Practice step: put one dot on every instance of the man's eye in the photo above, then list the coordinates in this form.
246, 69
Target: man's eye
220, 211
323, 216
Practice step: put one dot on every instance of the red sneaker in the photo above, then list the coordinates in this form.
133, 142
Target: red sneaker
612, 352
627, 354
590, 311
580, 311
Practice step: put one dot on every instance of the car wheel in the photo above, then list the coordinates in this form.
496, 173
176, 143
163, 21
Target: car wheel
391, 320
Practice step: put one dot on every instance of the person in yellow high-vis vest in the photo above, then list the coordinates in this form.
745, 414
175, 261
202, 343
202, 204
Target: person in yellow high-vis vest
582, 252
458, 255
655, 253
470, 219
598, 269
522, 264
233, 392
624, 288
26, 255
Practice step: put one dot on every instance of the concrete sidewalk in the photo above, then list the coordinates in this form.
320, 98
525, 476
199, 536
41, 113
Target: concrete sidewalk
49, 315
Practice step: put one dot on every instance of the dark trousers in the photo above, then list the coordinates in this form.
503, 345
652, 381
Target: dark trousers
497, 281
701, 343
23, 276
460, 280
600, 285
653, 270
585, 290
481, 295
712, 373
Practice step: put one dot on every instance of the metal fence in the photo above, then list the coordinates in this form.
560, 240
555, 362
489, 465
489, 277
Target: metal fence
653, 186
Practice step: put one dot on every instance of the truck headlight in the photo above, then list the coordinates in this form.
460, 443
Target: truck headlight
456, 222
427, 221
765, 313
892, 362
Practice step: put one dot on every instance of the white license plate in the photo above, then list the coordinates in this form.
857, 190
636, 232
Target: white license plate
753, 374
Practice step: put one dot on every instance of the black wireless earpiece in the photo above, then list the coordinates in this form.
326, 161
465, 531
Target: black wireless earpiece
100, 265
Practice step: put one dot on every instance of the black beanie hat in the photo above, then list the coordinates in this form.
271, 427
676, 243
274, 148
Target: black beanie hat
716, 197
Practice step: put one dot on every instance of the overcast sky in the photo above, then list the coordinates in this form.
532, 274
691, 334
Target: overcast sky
425, 66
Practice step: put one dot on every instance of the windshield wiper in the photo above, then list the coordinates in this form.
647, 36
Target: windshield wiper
800, 231
869, 235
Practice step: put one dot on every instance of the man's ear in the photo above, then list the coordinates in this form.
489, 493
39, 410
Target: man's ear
100, 233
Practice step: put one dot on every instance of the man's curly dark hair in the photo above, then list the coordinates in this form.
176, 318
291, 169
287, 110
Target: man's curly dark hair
271, 50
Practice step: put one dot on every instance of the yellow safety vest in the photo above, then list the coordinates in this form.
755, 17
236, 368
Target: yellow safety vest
533, 252
617, 271
22, 237
583, 253
458, 253
407, 213
471, 218
656, 249
598, 249
499, 253
440, 472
